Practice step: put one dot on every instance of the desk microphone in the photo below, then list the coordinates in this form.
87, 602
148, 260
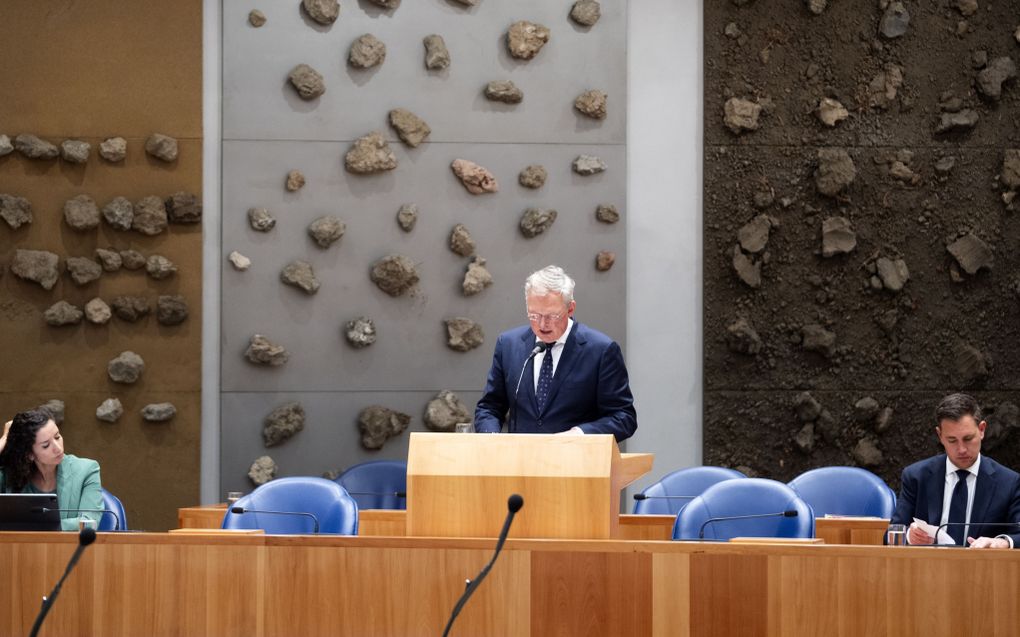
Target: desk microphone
641, 496
387, 494
85, 537
116, 517
970, 524
315, 520
514, 504
538, 349
791, 513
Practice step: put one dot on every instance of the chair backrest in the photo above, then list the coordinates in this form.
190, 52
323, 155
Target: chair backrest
845, 491
336, 511
375, 484
683, 485
109, 522
751, 496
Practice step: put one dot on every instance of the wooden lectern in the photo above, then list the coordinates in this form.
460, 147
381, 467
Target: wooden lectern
458, 484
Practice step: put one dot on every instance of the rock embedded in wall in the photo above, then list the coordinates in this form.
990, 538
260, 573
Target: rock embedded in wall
366, 52
81, 213
261, 220
378, 424
301, 275
387, 4
55, 407
162, 147
295, 181
838, 236
183, 207
443, 412
239, 261
586, 12
171, 309
62, 313
6, 147
748, 270
742, 338
75, 151
113, 149
971, 253
895, 21
835, 171
326, 230
476, 179
130, 308
892, 274
370, 154
126, 368
83, 270
16, 211
394, 274
262, 351
149, 216
533, 176
158, 412
256, 18
159, 267
411, 129
961, 121
407, 216
98, 312
883, 87
308, 82
360, 332
133, 260
325, 12
607, 213
604, 260
815, 338
119, 213
463, 334
867, 453
34, 148
591, 103
437, 56
525, 39
503, 91
991, 78
477, 277
110, 410
262, 470
587, 165
830, 112
109, 259
754, 235
461, 242
38, 266
283, 423
817, 7
740, 115
535, 221
970, 364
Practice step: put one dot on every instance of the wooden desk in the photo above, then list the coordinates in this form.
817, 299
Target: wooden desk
264, 586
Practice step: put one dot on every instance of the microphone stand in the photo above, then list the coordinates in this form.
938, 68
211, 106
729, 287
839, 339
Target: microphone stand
243, 510
116, 518
792, 513
512, 425
85, 537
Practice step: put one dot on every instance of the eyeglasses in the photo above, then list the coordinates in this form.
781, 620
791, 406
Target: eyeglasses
535, 317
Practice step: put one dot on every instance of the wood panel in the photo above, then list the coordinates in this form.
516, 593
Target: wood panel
671, 595
727, 595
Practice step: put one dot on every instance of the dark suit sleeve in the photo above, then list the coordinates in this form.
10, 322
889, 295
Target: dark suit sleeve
493, 405
1014, 512
615, 406
906, 504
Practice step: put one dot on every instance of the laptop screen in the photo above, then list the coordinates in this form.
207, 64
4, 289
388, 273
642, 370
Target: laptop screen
29, 512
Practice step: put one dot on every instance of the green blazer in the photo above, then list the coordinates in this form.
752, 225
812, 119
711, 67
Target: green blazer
78, 487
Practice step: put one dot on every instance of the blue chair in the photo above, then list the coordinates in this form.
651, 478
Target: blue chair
375, 484
750, 496
293, 499
689, 482
845, 491
109, 522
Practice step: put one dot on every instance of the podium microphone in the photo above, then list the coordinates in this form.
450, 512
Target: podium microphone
514, 504
315, 520
116, 518
85, 537
970, 524
791, 513
641, 496
538, 349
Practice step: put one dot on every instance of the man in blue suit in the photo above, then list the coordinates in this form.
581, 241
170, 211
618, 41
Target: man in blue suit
961, 488
556, 375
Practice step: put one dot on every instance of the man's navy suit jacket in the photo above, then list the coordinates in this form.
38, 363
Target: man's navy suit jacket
996, 497
590, 388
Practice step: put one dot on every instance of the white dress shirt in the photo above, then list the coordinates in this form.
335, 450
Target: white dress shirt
947, 493
556, 349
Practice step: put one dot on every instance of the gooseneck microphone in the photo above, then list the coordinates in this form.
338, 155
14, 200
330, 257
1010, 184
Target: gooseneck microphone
791, 513
383, 494
972, 525
116, 517
538, 349
641, 496
85, 537
514, 504
306, 514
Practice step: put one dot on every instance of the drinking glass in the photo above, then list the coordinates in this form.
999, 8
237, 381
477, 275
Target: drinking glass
464, 427
896, 535
232, 497
87, 523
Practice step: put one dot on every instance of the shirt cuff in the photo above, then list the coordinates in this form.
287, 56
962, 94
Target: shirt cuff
1008, 539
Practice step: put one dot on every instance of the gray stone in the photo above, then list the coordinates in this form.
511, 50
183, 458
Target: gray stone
945, 165
588, 165
866, 453
16, 211
38, 266
367, 51
256, 18
830, 112
6, 147
604, 260
476, 179
119, 213
586, 12
62, 313
817, 7
113, 149
295, 181
964, 120
75, 151
467, 3
386, 4
378, 424
150, 216
262, 351
966, 7
55, 407
370, 154
463, 334
747, 269
159, 267
993, 76
892, 273
971, 253
446, 410
307, 82
835, 171
525, 39
532, 176
535, 221
607, 213
740, 115
171, 309
884, 86
34, 148
591, 103
158, 412
98, 312
838, 236
742, 338
126, 368
895, 21
130, 308
1010, 175
109, 259
818, 339
261, 220
477, 277
301, 275
239, 261
407, 216
461, 242
262, 470
110, 410
754, 235
282, 423
866, 409
81, 213
805, 438
807, 408
183, 207
324, 12
360, 332
437, 57
83, 270
1002, 420
971, 364
133, 260
162, 147
884, 420
394, 274
828, 427
411, 129
326, 231
503, 91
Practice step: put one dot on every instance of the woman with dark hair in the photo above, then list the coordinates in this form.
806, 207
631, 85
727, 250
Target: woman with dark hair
32, 460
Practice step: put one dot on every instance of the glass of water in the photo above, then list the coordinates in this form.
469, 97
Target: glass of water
896, 535
232, 497
87, 523
464, 427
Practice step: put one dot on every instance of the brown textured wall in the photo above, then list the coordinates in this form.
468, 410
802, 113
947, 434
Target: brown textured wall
91, 71
904, 349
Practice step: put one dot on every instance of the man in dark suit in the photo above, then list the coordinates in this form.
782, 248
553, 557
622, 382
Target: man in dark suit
578, 385
961, 488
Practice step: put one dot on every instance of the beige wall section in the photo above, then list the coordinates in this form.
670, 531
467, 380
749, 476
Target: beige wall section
92, 70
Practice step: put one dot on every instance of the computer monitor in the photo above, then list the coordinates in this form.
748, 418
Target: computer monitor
29, 512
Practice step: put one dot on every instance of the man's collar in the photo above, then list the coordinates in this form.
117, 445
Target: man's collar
952, 468
563, 337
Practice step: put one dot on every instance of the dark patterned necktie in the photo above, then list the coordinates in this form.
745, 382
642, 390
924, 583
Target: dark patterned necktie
544, 379
958, 507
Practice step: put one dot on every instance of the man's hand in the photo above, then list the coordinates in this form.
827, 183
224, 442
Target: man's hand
988, 543
916, 536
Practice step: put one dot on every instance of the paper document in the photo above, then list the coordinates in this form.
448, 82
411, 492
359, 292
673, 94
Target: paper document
943, 538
